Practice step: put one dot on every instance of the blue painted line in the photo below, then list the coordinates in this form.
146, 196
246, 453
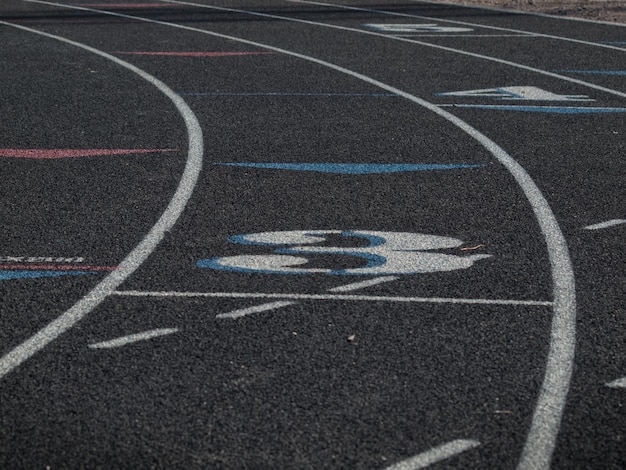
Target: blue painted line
613, 42
595, 72
544, 109
353, 168
19, 274
377, 95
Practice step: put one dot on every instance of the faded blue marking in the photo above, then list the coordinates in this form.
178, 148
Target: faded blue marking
595, 72
544, 109
19, 274
353, 168
613, 42
287, 94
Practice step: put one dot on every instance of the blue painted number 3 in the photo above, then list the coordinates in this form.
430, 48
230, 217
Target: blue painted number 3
385, 253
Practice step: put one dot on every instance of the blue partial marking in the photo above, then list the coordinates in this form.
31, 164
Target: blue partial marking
596, 72
353, 168
24, 274
208, 93
544, 109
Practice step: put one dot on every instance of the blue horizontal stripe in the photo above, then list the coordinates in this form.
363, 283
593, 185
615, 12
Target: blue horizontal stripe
353, 168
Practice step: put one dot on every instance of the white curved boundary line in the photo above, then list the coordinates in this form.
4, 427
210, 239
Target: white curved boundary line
519, 12
464, 23
546, 419
395, 38
138, 255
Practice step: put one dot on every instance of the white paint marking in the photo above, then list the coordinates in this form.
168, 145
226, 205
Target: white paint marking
340, 297
275, 305
138, 255
546, 420
465, 23
434, 455
255, 309
607, 224
619, 383
124, 340
363, 284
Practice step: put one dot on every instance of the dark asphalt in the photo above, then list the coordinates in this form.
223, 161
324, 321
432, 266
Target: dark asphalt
457, 350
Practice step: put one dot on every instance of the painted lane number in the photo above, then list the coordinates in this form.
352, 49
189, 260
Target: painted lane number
384, 253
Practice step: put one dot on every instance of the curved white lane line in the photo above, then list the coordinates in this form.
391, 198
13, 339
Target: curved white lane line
464, 23
397, 38
135, 258
546, 420
526, 13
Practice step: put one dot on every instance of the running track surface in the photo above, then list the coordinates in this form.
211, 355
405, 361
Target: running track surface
295, 234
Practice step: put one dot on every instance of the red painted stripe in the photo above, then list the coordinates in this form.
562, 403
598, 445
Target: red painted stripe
196, 54
52, 267
73, 153
123, 5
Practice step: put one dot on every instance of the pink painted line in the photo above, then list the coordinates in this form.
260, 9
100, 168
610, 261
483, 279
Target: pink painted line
73, 153
123, 5
196, 54
53, 267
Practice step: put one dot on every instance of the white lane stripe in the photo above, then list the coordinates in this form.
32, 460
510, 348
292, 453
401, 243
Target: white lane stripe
363, 284
434, 455
340, 297
124, 340
607, 224
546, 420
463, 23
242, 312
619, 383
524, 13
138, 255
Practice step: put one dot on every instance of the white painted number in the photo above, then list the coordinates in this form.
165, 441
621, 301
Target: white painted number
414, 28
384, 253
518, 93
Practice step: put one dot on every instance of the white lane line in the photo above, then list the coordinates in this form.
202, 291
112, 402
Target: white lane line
546, 420
276, 305
138, 255
242, 312
607, 224
363, 31
619, 383
363, 284
523, 13
436, 454
519, 32
124, 340
340, 297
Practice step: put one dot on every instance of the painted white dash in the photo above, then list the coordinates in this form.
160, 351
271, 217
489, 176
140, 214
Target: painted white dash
607, 224
619, 383
434, 455
124, 340
340, 297
242, 312
363, 284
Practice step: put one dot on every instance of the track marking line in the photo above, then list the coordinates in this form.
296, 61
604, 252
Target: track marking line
363, 31
619, 383
434, 455
276, 305
549, 408
242, 312
197, 54
607, 224
74, 153
539, 109
464, 23
363, 284
340, 297
272, 94
134, 338
140, 253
